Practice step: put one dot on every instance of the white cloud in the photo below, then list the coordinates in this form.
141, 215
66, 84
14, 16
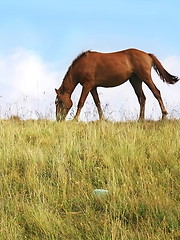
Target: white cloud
27, 88
27, 83
26, 73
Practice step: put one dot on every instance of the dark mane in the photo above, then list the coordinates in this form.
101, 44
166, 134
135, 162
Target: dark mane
80, 56
75, 60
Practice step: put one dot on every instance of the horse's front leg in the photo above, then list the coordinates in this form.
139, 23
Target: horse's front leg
85, 91
97, 102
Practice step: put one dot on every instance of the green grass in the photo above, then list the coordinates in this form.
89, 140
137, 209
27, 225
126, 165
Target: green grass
48, 171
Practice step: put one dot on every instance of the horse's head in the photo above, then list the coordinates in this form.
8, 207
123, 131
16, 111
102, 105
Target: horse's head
63, 104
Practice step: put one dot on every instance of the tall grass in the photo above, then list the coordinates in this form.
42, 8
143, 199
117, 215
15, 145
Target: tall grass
48, 172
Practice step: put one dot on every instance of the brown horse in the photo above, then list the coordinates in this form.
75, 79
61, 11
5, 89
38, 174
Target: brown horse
94, 69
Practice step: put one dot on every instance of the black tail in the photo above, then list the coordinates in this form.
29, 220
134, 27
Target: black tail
164, 75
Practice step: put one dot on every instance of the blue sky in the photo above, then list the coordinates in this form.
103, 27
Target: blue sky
54, 28
48, 35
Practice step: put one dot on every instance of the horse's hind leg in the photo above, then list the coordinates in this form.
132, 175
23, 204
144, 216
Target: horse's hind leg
95, 96
156, 93
137, 85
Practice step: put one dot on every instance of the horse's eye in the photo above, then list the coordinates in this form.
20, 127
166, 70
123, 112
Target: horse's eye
56, 101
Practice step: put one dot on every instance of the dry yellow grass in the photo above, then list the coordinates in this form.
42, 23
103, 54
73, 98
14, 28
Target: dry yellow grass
49, 170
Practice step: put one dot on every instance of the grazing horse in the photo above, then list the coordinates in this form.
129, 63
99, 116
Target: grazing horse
95, 69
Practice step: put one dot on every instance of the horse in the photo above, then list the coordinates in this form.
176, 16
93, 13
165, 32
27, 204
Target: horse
95, 69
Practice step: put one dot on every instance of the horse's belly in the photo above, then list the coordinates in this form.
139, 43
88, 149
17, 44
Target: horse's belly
112, 82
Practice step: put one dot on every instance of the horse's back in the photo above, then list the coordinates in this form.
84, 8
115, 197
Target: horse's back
131, 56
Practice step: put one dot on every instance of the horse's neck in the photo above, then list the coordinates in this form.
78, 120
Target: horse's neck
67, 86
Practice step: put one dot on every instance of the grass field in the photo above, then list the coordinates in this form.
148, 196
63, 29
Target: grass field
49, 170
